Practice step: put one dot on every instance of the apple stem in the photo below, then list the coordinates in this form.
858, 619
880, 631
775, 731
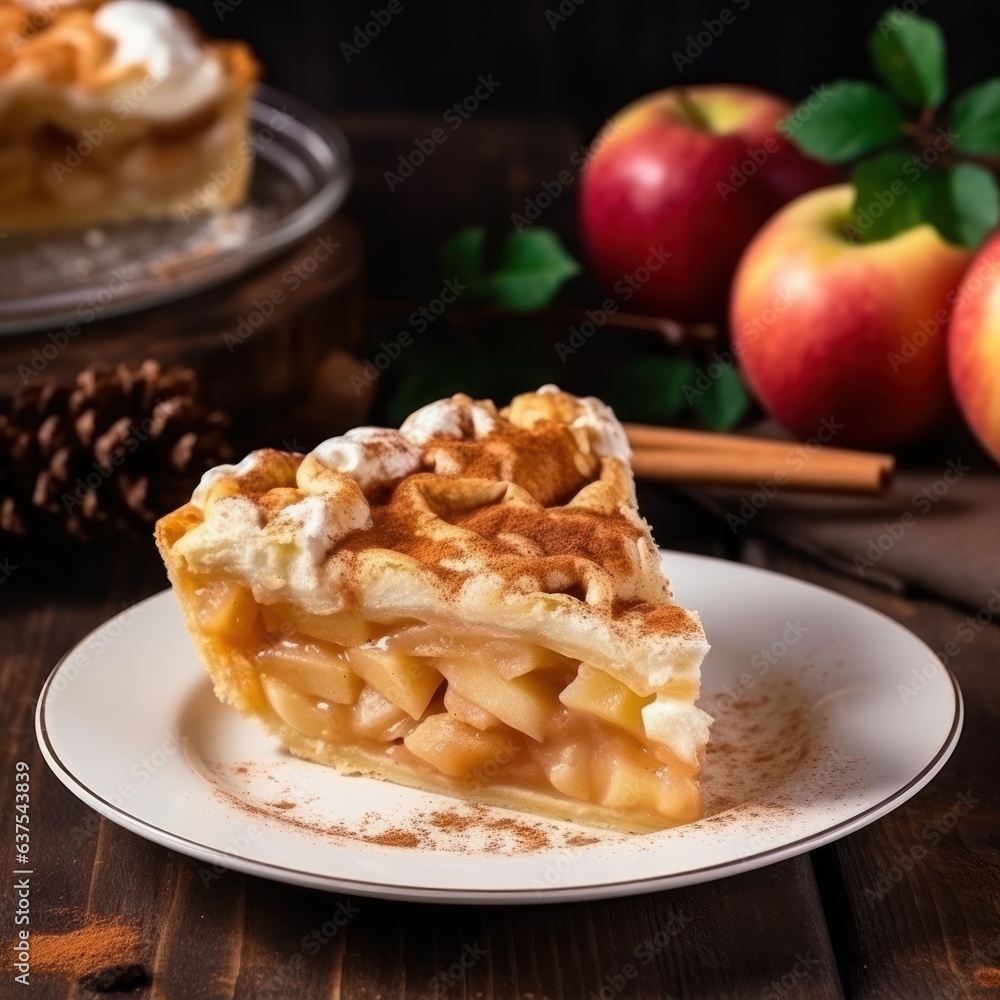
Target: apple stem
693, 112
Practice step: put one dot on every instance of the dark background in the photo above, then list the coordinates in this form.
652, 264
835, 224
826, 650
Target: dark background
606, 53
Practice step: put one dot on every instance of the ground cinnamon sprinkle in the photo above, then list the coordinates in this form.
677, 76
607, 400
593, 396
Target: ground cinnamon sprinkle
529, 838
451, 819
988, 975
85, 950
393, 838
579, 840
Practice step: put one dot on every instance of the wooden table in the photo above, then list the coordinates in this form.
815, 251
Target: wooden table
819, 926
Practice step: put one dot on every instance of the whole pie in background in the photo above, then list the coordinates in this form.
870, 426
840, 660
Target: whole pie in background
117, 111
471, 605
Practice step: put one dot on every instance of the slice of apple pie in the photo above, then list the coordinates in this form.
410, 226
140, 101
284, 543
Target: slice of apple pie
471, 604
118, 110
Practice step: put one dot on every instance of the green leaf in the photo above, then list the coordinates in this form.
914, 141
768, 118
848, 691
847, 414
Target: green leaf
968, 204
724, 402
532, 267
649, 389
891, 196
851, 119
908, 52
975, 118
462, 257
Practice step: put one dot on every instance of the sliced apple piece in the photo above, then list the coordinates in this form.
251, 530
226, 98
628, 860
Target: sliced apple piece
569, 771
526, 704
314, 667
456, 748
462, 708
377, 718
226, 608
406, 681
628, 783
312, 717
596, 693
510, 657
341, 627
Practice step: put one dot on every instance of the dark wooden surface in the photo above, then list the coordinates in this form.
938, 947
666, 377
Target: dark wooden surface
819, 926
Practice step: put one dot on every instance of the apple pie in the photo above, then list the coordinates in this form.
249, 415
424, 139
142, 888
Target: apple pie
470, 604
116, 111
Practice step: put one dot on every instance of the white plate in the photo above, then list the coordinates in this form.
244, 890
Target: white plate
828, 715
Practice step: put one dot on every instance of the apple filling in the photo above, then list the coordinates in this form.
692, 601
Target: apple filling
459, 713
73, 175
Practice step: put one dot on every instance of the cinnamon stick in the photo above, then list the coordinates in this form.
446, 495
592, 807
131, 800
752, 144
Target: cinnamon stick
646, 436
749, 463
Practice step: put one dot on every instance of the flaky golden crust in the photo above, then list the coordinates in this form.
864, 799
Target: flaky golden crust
463, 536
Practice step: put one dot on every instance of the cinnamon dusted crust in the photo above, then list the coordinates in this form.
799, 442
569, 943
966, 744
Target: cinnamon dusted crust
519, 523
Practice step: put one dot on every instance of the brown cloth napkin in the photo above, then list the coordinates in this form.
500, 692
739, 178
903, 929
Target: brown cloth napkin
936, 530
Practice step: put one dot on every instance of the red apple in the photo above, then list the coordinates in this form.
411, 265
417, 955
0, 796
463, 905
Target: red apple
690, 172
853, 335
974, 346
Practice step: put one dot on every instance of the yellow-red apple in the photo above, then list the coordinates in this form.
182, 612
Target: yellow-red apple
692, 172
827, 329
974, 346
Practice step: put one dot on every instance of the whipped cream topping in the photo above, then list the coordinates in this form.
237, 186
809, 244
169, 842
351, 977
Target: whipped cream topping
254, 462
458, 417
374, 457
185, 75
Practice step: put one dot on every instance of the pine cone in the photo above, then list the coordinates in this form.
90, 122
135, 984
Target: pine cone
112, 453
